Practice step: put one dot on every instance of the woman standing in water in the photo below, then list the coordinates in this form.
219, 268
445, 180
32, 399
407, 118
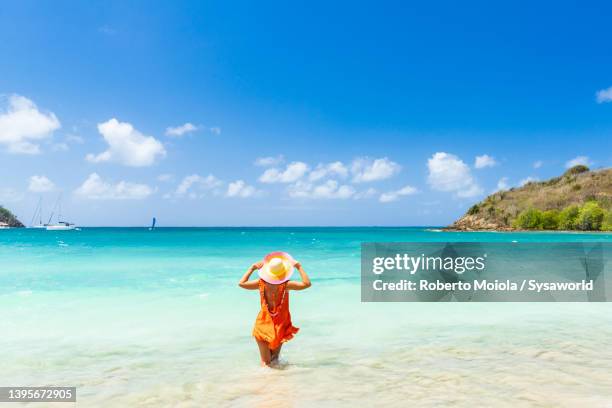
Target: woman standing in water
273, 324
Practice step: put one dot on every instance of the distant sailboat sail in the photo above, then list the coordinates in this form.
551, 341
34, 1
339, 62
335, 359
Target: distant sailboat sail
38, 215
152, 224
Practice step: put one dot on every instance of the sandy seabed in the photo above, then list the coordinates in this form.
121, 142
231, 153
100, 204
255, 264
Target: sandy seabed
193, 351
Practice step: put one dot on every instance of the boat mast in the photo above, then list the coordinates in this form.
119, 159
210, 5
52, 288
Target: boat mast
59, 211
54, 208
38, 212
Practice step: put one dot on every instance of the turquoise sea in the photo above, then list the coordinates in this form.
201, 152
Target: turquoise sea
138, 318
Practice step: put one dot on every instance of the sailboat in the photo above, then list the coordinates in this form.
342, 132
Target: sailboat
60, 225
152, 224
38, 214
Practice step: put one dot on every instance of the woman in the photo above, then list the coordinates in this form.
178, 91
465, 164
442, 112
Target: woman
273, 324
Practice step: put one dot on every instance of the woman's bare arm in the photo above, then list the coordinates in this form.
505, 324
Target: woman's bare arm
304, 284
244, 282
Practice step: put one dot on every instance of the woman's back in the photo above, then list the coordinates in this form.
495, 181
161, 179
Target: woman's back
271, 294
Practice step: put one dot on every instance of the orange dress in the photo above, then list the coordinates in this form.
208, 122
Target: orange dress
274, 326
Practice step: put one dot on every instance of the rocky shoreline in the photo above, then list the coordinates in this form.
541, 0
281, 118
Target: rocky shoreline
8, 219
474, 223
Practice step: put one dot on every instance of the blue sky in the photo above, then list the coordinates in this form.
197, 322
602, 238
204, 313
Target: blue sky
369, 114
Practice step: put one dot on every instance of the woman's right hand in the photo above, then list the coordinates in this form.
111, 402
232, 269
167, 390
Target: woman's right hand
257, 265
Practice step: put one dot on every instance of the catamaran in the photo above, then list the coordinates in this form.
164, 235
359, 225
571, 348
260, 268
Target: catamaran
60, 225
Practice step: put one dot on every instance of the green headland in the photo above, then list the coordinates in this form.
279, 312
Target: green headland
578, 200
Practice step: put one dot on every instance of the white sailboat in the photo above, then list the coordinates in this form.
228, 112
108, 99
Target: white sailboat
60, 225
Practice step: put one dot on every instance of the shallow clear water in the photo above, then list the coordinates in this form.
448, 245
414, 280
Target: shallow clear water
139, 318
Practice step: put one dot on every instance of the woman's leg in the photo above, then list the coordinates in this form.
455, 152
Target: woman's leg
264, 352
275, 353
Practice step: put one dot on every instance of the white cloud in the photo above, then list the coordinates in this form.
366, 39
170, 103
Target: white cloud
365, 194
269, 161
165, 177
127, 145
366, 170
484, 161
604, 95
362, 170
580, 160
292, 173
394, 195
450, 174
537, 164
179, 131
215, 130
23, 126
527, 180
331, 169
503, 184
64, 146
40, 184
60, 147
194, 184
328, 190
94, 188
241, 189
10, 195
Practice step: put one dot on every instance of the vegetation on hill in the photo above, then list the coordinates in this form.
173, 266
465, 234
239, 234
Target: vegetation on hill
7, 217
579, 199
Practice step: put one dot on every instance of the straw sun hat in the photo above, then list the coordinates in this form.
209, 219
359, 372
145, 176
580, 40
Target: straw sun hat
277, 268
